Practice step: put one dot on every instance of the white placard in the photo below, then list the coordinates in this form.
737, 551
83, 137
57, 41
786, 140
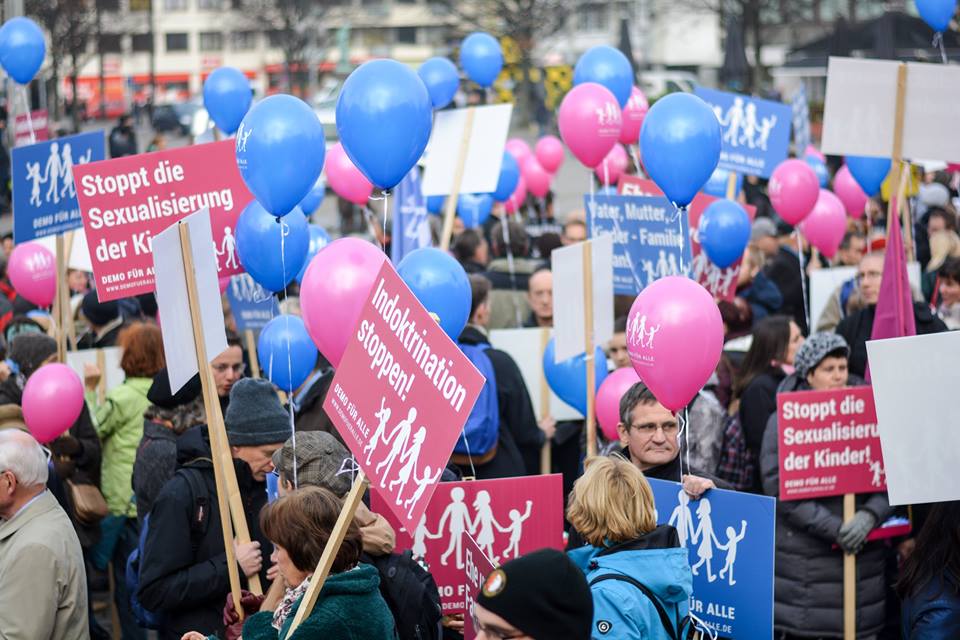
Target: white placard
823, 282
568, 296
173, 302
111, 355
860, 109
484, 154
523, 345
914, 388
79, 258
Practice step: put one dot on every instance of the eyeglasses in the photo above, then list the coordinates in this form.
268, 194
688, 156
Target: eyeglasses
650, 428
236, 368
493, 632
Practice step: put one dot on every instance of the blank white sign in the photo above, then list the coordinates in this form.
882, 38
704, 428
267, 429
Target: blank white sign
569, 294
488, 135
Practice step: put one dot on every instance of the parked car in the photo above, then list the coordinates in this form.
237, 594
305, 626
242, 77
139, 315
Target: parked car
165, 118
657, 83
189, 113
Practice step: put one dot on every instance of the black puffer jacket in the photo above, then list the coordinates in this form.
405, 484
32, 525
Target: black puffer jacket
808, 585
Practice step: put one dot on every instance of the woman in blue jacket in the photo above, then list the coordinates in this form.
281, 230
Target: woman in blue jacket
639, 575
930, 579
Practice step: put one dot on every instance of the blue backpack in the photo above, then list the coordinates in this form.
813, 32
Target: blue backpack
478, 442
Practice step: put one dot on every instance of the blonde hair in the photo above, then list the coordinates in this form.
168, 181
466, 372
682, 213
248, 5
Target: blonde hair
943, 245
611, 502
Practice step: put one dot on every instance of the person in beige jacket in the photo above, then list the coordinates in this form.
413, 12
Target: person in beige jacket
43, 592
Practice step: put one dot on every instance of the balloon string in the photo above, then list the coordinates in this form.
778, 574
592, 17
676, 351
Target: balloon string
682, 433
636, 157
803, 282
680, 211
511, 267
593, 206
606, 174
22, 90
283, 273
938, 42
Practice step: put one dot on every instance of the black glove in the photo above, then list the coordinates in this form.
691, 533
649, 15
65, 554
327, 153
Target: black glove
853, 533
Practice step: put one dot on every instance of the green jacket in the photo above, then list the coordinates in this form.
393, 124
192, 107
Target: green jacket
349, 607
119, 423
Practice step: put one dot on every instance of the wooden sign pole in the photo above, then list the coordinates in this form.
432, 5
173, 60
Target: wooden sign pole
61, 302
451, 207
252, 352
589, 347
70, 325
849, 577
546, 464
228, 492
102, 383
347, 513
732, 186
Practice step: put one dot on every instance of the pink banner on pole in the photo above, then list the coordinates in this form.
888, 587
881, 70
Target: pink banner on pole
126, 201
477, 567
721, 283
400, 396
507, 517
829, 444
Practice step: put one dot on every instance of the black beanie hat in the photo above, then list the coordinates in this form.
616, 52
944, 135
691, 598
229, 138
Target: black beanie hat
29, 350
99, 313
255, 416
543, 594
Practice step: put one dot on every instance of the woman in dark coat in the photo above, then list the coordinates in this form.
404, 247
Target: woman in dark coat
930, 579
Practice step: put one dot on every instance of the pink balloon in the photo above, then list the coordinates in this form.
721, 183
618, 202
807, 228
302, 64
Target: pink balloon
813, 151
608, 399
519, 149
590, 122
52, 400
826, 224
536, 177
33, 273
515, 202
854, 198
334, 288
633, 115
344, 177
616, 163
674, 338
224, 282
549, 152
793, 189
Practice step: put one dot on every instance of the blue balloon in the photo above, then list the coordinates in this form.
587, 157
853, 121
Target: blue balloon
509, 177
226, 97
287, 354
568, 378
314, 197
280, 149
869, 172
272, 249
441, 79
441, 285
22, 48
318, 240
474, 208
937, 13
435, 204
680, 145
724, 231
481, 57
607, 66
719, 180
384, 116
820, 168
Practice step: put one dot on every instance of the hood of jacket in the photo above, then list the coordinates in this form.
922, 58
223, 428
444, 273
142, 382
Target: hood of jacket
194, 444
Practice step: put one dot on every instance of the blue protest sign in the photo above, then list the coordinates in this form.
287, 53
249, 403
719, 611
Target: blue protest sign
252, 305
756, 133
650, 238
411, 225
44, 196
732, 592
801, 120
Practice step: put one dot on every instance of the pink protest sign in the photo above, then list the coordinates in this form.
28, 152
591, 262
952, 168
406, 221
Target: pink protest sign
477, 568
721, 283
401, 395
126, 201
507, 517
829, 444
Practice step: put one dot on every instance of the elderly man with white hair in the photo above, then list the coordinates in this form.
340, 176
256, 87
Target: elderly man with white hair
42, 582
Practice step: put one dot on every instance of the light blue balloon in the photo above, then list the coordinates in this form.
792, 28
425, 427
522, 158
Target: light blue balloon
724, 231
318, 240
568, 378
384, 117
22, 48
481, 57
287, 354
474, 208
271, 249
435, 204
314, 197
937, 13
820, 168
717, 184
441, 79
441, 285
280, 148
226, 97
508, 179
606, 66
680, 145
869, 172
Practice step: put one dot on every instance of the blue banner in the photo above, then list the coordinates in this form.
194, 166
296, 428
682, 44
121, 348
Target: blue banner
411, 225
44, 196
801, 121
650, 238
756, 133
719, 530
252, 305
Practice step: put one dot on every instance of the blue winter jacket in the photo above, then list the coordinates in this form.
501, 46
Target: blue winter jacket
621, 611
933, 613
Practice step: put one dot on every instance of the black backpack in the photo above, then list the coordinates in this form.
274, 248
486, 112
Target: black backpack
411, 594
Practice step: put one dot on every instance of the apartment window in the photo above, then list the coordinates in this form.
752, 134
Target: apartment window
142, 42
210, 5
175, 5
276, 38
110, 43
406, 35
108, 5
243, 40
177, 42
592, 17
211, 41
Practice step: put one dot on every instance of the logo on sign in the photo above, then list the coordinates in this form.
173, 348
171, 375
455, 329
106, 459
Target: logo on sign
701, 532
639, 334
243, 134
57, 175
741, 126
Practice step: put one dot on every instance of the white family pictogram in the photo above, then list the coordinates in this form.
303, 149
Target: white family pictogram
57, 174
243, 134
245, 289
741, 126
639, 334
876, 468
713, 278
608, 114
666, 266
703, 535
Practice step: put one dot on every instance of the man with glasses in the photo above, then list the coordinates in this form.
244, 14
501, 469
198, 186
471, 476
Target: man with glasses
43, 592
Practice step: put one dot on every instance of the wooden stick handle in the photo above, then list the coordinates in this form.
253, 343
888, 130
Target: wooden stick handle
546, 464
732, 186
70, 325
588, 341
451, 207
849, 578
61, 301
102, 384
252, 352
